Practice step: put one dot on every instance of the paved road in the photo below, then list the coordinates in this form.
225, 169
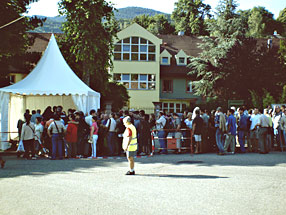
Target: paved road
166, 184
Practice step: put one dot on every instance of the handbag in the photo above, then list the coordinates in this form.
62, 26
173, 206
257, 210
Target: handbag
20, 147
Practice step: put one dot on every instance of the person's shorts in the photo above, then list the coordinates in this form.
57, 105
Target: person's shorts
198, 138
131, 153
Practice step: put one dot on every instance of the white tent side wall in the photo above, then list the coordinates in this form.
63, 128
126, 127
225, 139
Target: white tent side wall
16, 111
4, 120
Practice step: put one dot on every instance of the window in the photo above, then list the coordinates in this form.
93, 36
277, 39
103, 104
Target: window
12, 79
174, 107
135, 49
136, 81
189, 87
165, 60
181, 60
167, 86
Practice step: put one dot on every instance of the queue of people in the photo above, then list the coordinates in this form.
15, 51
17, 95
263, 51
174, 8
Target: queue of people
74, 135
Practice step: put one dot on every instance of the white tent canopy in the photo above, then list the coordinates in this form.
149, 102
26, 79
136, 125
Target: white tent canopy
52, 82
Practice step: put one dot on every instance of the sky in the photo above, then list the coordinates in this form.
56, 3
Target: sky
50, 7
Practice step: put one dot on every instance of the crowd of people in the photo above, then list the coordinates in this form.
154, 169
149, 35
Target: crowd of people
74, 135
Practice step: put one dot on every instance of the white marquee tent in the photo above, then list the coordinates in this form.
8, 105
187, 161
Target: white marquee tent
52, 82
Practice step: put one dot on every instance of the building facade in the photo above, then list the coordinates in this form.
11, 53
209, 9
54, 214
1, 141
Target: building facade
154, 69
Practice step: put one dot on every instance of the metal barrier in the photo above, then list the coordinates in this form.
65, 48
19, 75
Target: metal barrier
171, 141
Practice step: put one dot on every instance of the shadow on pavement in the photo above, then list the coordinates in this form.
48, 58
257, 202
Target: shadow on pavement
19, 167
181, 176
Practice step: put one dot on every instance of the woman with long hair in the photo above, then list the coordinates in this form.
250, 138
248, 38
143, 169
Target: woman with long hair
93, 136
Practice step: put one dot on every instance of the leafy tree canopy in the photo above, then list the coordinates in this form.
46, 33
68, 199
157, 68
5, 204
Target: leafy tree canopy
14, 40
189, 16
88, 37
157, 24
232, 65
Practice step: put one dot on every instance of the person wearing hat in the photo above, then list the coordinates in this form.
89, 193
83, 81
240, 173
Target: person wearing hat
129, 143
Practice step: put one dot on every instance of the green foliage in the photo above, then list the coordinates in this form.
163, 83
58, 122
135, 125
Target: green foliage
157, 24
283, 96
233, 66
261, 23
88, 37
189, 16
282, 21
282, 51
268, 99
14, 39
256, 100
117, 94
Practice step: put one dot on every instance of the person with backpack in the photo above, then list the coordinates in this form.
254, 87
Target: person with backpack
56, 132
160, 125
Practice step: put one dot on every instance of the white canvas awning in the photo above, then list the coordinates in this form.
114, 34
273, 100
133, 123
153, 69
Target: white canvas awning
50, 79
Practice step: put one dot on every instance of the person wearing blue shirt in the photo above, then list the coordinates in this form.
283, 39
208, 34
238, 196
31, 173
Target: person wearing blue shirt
231, 129
242, 129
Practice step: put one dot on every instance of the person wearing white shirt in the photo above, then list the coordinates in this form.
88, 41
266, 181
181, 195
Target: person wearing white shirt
28, 137
88, 119
160, 124
253, 143
39, 128
55, 131
111, 136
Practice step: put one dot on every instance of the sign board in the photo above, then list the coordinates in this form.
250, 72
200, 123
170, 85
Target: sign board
235, 103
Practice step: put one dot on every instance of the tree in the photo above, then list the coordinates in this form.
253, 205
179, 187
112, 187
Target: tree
157, 24
88, 39
261, 23
189, 16
231, 63
117, 94
282, 20
143, 20
225, 33
160, 25
14, 39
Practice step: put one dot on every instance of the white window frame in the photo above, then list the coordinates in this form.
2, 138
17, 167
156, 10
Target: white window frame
139, 81
139, 52
183, 106
189, 84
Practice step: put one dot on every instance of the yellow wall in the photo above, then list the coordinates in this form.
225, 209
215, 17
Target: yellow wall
18, 76
140, 98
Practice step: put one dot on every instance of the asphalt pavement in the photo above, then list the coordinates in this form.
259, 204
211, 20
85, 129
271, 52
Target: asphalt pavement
163, 184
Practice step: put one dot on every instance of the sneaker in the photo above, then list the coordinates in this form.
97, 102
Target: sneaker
34, 158
2, 163
90, 157
130, 173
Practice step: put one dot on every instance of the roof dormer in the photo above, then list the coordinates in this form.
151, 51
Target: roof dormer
181, 58
165, 57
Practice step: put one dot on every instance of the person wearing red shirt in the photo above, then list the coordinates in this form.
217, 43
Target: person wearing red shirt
71, 137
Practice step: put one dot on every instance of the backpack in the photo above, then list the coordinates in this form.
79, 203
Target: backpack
169, 124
